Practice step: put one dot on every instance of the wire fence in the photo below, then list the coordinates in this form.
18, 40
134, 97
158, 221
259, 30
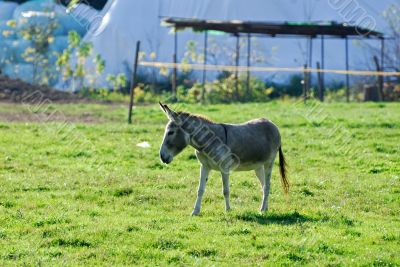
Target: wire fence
231, 68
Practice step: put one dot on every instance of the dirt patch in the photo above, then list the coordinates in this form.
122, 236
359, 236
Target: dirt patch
49, 117
17, 91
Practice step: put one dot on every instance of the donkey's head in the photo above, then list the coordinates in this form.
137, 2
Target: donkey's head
175, 139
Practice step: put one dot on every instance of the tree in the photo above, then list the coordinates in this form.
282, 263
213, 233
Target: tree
392, 51
392, 45
73, 66
40, 36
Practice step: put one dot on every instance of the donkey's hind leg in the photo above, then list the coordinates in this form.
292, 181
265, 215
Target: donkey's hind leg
268, 172
260, 172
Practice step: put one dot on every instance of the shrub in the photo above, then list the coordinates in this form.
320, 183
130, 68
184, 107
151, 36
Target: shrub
223, 90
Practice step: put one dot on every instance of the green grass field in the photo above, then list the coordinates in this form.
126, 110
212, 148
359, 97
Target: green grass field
83, 193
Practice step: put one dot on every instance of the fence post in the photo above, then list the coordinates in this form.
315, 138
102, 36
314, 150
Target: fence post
305, 83
203, 91
237, 66
347, 69
382, 68
379, 78
310, 61
320, 84
175, 60
248, 64
133, 82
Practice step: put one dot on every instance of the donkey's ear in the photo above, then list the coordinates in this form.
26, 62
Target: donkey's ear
162, 106
172, 115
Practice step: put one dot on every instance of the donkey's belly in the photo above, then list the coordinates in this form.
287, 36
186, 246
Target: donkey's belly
235, 166
249, 166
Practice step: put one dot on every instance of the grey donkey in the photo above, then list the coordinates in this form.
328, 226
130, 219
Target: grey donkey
222, 147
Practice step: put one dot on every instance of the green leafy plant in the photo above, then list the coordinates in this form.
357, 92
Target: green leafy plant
73, 66
118, 81
223, 90
38, 54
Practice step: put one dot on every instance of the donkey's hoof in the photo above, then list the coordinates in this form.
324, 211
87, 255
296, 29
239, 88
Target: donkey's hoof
262, 211
195, 212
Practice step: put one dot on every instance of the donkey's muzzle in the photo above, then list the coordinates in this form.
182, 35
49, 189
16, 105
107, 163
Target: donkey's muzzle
165, 159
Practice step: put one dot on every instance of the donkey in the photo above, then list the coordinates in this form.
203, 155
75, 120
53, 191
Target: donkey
225, 147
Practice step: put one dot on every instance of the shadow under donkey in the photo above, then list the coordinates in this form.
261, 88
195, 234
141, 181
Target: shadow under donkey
276, 218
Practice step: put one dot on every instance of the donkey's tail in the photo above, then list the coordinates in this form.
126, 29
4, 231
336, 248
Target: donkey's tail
283, 171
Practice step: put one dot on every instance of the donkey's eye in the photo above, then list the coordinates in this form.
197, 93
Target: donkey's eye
170, 133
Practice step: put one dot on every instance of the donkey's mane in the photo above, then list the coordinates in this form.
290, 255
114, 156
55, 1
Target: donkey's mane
197, 116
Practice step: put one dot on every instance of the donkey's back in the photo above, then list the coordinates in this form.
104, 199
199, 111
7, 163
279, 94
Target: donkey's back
255, 142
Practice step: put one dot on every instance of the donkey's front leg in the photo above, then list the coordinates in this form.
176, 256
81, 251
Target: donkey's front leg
225, 189
204, 171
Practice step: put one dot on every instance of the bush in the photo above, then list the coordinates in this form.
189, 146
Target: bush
293, 87
223, 90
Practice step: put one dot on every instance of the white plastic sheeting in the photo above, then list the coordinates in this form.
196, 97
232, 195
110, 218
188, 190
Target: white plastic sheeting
7, 10
59, 44
122, 25
115, 30
125, 22
6, 32
250, 10
5, 52
83, 15
41, 12
25, 9
20, 71
17, 49
37, 12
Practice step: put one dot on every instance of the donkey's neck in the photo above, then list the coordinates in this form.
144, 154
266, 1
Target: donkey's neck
204, 133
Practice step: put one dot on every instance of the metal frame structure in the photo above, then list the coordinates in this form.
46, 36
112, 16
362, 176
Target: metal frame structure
309, 30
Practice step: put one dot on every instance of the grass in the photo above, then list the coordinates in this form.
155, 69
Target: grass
85, 194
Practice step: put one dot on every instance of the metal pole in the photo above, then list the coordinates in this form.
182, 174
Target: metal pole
203, 93
237, 65
383, 54
133, 82
310, 64
320, 86
322, 67
305, 83
347, 69
379, 79
175, 59
248, 63
382, 66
